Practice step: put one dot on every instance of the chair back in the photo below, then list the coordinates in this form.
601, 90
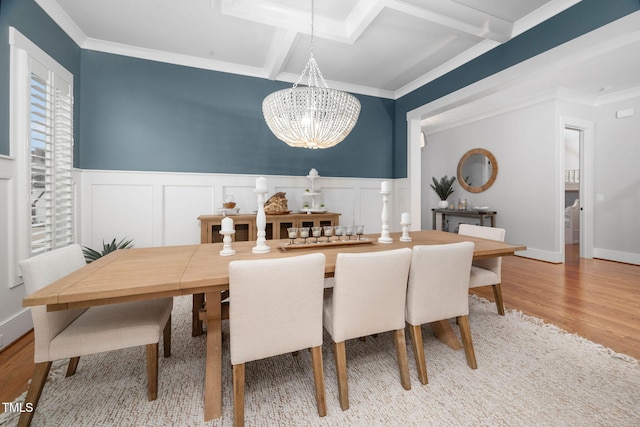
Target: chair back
40, 271
439, 282
369, 293
275, 306
491, 233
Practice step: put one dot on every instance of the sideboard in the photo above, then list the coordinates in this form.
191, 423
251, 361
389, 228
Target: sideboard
276, 228
246, 230
482, 215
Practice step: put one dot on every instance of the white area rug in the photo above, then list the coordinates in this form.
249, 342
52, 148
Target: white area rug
529, 374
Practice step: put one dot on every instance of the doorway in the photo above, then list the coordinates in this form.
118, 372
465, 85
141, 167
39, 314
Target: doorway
572, 199
578, 146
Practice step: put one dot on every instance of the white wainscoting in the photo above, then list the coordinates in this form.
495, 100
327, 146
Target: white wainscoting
162, 209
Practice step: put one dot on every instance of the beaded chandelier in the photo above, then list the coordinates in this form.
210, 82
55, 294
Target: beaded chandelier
312, 116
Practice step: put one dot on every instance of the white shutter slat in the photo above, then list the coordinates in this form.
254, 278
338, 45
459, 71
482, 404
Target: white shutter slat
51, 140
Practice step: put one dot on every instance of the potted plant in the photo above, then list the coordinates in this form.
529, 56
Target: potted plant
443, 189
91, 255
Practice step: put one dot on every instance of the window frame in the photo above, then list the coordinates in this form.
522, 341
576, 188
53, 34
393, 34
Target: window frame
22, 52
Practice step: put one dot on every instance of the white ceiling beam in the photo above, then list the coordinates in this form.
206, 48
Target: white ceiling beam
361, 17
271, 13
458, 17
279, 52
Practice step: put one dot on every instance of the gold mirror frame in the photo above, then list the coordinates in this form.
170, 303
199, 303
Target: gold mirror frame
494, 170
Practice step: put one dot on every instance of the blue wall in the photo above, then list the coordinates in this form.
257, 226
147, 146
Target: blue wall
28, 18
152, 116
578, 20
134, 114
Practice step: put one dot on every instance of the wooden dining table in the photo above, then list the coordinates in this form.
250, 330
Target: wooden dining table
148, 273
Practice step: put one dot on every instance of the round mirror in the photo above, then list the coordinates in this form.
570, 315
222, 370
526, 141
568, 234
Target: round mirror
477, 170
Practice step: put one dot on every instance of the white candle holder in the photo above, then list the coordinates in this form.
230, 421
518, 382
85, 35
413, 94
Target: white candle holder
261, 223
405, 232
384, 234
227, 250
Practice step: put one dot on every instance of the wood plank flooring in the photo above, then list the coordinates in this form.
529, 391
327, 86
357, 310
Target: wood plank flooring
599, 300
596, 299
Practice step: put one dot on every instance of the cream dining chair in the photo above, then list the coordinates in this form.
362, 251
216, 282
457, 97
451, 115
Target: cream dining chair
70, 334
275, 307
368, 297
486, 272
438, 289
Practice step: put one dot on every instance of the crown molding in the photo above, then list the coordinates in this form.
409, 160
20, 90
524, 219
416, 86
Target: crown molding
542, 14
622, 95
172, 58
452, 64
60, 17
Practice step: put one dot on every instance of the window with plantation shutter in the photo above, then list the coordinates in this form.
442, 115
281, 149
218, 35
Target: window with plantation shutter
51, 159
41, 136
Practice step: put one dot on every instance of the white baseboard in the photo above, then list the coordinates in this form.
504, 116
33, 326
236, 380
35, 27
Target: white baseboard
618, 256
540, 255
15, 327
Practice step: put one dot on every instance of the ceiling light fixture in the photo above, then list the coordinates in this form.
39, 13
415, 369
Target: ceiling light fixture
312, 116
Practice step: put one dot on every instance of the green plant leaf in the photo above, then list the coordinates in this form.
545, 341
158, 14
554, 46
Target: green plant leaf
91, 255
444, 187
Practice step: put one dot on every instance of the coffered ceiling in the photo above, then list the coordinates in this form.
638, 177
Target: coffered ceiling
383, 48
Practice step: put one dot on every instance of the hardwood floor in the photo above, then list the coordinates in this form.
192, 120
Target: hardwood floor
596, 299
599, 300
16, 368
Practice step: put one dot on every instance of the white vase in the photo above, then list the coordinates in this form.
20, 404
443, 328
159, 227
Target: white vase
443, 204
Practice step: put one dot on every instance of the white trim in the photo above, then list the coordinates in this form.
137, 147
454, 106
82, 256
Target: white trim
541, 14
64, 21
542, 255
611, 255
19, 131
450, 65
414, 160
16, 326
17, 39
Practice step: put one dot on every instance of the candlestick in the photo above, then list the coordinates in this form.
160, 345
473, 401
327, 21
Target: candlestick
227, 224
405, 221
261, 219
384, 234
227, 250
405, 218
261, 185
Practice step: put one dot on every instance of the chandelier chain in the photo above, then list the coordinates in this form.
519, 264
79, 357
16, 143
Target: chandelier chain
315, 77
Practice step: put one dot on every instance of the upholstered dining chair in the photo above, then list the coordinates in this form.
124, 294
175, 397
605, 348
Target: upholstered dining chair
438, 289
70, 334
275, 307
486, 272
368, 297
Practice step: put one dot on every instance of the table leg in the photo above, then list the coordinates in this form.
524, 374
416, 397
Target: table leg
444, 332
196, 324
213, 364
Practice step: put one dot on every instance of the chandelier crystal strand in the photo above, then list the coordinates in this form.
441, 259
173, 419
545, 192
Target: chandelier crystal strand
312, 116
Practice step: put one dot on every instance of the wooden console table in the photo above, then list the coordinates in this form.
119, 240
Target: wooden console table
482, 215
245, 225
